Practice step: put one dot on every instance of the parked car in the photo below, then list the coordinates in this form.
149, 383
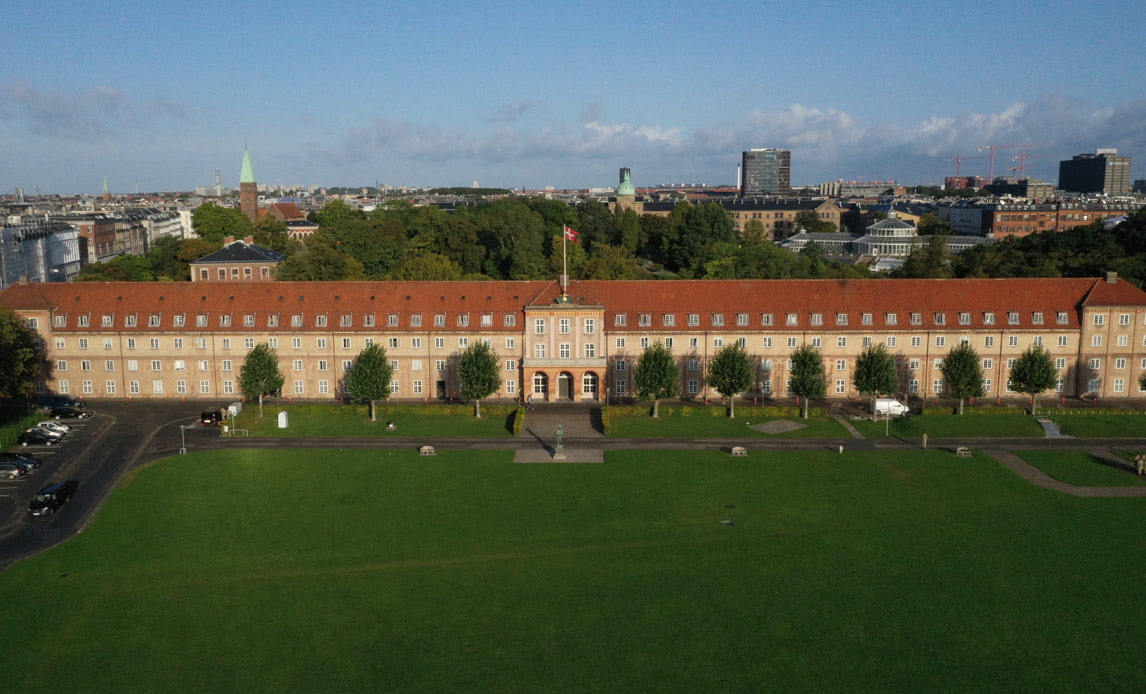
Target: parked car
54, 426
69, 412
50, 432
7, 457
12, 470
52, 401
213, 418
35, 437
889, 406
51, 497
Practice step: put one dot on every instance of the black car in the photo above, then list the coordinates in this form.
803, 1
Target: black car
53, 401
212, 418
7, 457
69, 412
51, 497
33, 437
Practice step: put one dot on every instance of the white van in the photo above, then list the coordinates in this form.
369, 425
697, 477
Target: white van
890, 407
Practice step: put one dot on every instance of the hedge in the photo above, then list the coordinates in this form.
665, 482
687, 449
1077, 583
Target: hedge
518, 420
975, 410
607, 413
381, 409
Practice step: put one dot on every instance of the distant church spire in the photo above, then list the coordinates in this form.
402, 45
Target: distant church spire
106, 192
248, 189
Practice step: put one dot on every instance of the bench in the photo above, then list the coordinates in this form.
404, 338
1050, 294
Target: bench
962, 452
739, 452
427, 450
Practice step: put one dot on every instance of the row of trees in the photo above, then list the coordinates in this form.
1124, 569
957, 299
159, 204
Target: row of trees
876, 374
368, 379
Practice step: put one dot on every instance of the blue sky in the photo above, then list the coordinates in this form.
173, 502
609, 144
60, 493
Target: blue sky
533, 94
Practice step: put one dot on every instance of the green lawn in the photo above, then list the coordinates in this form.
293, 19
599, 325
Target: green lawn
1102, 425
952, 425
350, 420
704, 425
380, 571
1080, 468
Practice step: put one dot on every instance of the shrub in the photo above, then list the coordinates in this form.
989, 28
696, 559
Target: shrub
518, 419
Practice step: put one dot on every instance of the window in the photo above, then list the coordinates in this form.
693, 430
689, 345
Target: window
1124, 319
718, 319
439, 365
61, 365
816, 319
463, 342
1093, 385
105, 322
620, 320
83, 324
694, 365
590, 350
273, 342
415, 320
767, 342
841, 387
439, 343
590, 326
621, 364
83, 343
766, 319
940, 341
917, 319
841, 365
669, 342
439, 320
1123, 340
891, 318
693, 386
1013, 341
296, 320
273, 320
1095, 340
297, 365
1099, 319
865, 319
509, 320
61, 343
939, 318
1119, 385
913, 364
742, 341
742, 319
107, 342
937, 386
1011, 363
156, 365
620, 389
668, 320
225, 343
563, 350
988, 363
298, 385
1120, 363
913, 386
133, 387
644, 319
63, 386
154, 343
394, 387
620, 343
1037, 341
866, 342
1061, 318
464, 320
132, 365
718, 342
539, 326
964, 318
392, 343
1094, 364
791, 343
816, 342
204, 387
987, 385
510, 365
486, 320
61, 321
916, 341
539, 350
891, 340
564, 326
792, 319
1060, 363
323, 387
180, 365
841, 342
693, 342
157, 387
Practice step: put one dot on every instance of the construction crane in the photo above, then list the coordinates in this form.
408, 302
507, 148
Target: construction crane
992, 148
1022, 158
959, 159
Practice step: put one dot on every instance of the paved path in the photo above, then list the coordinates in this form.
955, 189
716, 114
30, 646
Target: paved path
578, 422
1037, 477
848, 425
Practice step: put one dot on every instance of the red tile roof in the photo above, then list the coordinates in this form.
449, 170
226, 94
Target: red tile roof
712, 301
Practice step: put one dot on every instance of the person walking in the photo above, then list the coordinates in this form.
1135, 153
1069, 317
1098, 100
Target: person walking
529, 402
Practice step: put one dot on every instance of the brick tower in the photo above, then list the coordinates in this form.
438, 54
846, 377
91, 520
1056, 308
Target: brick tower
248, 189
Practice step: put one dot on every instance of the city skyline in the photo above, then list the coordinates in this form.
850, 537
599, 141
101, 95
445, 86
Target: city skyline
516, 96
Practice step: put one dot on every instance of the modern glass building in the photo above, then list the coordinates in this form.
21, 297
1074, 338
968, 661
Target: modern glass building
765, 172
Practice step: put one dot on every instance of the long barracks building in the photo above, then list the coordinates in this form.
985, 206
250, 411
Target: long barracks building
170, 340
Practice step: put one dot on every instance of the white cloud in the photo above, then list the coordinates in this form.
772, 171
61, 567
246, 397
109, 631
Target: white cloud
95, 114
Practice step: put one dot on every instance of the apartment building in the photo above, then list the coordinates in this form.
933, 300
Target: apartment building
189, 339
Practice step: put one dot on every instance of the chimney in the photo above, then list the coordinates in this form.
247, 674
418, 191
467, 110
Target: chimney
23, 279
250, 240
228, 240
1112, 277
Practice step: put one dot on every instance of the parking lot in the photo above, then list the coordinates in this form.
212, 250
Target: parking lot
95, 453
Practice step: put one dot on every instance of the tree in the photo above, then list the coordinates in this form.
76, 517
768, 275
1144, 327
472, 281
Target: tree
25, 361
429, 267
478, 374
260, 374
272, 233
730, 373
656, 376
810, 222
610, 263
1033, 373
320, 260
1142, 382
368, 379
875, 374
806, 378
125, 268
963, 374
213, 223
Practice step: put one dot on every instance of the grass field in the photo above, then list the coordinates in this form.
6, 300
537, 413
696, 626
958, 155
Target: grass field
952, 425
1102, 425
307, 421
704, 425
350, 571
1080, 468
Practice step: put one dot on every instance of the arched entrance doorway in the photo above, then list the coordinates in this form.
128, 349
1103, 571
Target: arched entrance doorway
589, 386
541, 386
564, 386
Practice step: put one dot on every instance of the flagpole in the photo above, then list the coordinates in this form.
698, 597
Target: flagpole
564, 261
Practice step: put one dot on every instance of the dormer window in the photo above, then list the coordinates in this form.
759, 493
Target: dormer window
1061, 318
988, 318
964, 318
1013, 318
320, 321
273, 320
917, 319
1037, 318
392, 320
644, 319
718, 319
487, 320
200, 320
84, 321
346, 320
60, 321
792, 319
841, 319
129, 321
415, 320
816, 319
225, 321
939, 318
463, 320
179, 320
248, 320
368, 320
619, 320
510, 320
668, 319
694, 319
107, 321
439, 320
153, 321
865, 319
296, 320
742, 319
766, 320
891, 318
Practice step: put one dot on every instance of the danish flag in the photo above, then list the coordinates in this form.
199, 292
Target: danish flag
570, 234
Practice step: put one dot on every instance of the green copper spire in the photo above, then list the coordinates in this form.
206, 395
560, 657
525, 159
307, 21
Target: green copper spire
248, 175
105, 190
626, 187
